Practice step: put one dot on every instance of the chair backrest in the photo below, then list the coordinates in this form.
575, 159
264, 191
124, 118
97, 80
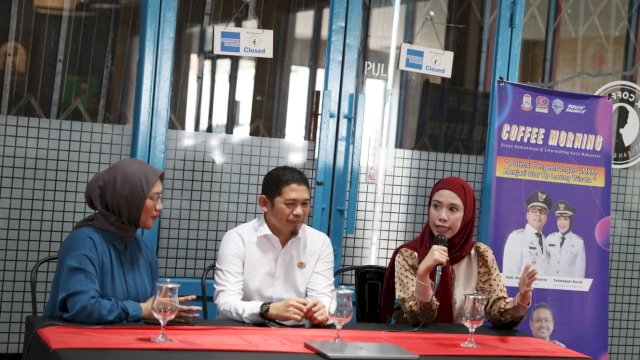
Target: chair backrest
368, 280
203, 289
41, 277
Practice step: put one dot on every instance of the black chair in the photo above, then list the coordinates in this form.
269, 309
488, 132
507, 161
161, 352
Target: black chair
368, 280
203, 288
49, 262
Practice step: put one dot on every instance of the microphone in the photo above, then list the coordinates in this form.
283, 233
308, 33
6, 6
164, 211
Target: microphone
442, 241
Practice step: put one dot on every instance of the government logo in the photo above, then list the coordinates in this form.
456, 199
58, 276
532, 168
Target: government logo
557, 105
542, 104
526, 102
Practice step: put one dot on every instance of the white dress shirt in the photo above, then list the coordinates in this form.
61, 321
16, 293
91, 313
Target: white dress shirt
252, 267
521, 247
568, 258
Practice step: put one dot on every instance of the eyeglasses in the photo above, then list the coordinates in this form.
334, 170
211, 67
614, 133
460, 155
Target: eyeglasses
539, 211
156, 198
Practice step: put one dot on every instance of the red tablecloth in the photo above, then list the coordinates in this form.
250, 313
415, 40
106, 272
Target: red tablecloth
290, 340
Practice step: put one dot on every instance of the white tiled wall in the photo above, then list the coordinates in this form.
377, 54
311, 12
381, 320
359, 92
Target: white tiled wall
44, 167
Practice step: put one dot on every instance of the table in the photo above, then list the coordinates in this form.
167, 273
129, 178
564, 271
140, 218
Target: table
36, 348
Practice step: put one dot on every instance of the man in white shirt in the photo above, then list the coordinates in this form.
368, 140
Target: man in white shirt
276, 268
528, 244
567, 256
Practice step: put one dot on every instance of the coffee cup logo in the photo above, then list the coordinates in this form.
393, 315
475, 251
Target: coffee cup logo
625, 96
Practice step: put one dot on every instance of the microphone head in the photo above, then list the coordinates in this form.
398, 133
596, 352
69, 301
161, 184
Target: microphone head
440, 240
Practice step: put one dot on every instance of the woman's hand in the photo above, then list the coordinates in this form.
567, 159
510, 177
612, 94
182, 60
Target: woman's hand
146, 310
186, 314
438, 255
525, 285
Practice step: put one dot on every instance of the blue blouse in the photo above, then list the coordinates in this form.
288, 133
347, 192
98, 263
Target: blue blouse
101, 278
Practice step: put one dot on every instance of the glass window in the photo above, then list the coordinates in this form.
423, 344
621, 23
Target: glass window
70, 63
246, 96
586, 48
428, 112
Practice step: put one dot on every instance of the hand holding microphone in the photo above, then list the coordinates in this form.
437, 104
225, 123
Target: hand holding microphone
435, 259
442, 241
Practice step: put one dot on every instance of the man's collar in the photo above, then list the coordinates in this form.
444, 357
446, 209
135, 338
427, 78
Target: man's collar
528, 228
263, 229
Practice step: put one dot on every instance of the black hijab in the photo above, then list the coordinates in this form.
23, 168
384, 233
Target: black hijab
118, 194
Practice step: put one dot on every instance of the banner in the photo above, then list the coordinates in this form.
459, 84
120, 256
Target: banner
550, 207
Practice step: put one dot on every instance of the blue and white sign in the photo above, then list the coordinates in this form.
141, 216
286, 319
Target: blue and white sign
426, 60
242, 42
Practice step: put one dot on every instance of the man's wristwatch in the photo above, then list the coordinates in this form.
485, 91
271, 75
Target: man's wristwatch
264, 309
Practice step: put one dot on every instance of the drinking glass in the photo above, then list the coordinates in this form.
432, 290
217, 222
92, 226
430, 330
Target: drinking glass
165, 307
340, 309
473, 316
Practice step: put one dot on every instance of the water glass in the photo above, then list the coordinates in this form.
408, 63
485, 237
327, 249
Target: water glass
473, 316
340, 309
165, 307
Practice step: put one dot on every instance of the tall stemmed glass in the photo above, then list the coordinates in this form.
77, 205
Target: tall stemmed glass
473, 316
340, 309
165, 307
